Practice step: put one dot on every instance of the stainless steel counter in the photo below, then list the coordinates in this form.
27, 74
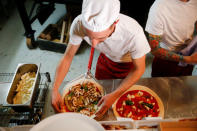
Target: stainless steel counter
178, 94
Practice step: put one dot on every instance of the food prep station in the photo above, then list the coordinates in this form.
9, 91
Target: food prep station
31, 111
178, 95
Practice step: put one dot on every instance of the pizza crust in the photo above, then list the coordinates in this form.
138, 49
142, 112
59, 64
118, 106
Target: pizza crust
143, 88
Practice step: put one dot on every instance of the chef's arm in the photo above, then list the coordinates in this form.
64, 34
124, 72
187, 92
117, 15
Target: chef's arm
61, 71
133, 76
157, 51
64, 65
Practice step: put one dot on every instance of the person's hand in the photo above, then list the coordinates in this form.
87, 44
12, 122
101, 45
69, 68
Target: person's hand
105, 103
191, 59
56, 101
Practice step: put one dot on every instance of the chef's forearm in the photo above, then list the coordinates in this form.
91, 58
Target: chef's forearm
64, 65
61, 72
133, 76
159, 52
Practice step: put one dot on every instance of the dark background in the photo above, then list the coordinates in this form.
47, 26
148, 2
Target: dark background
137, 9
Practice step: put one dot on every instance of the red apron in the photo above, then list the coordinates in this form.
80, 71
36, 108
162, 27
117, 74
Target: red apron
166, 68
107, 69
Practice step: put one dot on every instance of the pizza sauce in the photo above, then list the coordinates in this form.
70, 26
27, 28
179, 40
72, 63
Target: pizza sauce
137, 104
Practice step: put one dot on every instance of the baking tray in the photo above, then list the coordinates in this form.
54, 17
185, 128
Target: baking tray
23, 68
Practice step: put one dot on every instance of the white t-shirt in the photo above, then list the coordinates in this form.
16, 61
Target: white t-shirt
127, 42
174, 20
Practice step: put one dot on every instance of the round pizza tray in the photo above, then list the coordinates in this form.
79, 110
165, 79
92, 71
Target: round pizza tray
68, 122
143, 88
79, 81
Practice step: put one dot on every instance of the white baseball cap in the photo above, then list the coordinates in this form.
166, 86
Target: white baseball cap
98, 15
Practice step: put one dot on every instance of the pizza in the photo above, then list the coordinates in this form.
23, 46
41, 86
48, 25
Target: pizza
138, 103
82, 98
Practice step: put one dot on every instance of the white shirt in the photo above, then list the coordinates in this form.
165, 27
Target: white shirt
127, 42
174, 20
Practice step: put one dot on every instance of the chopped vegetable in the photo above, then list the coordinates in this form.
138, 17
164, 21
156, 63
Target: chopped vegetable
67, 104
85, 88
129, 103
95, 102
71, 94
80, 108
146, 97
148, 105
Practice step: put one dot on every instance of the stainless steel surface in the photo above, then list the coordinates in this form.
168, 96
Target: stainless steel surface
21, 70
178, 95
4, 89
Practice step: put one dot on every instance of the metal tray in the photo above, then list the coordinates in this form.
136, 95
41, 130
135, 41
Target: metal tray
23, 68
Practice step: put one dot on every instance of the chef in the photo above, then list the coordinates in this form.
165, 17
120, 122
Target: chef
120, 41
171, 25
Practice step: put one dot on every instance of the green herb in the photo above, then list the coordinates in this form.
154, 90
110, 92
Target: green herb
85, 88
148, 105
80, 108
95, 102
128, 102
147, 97
71, 94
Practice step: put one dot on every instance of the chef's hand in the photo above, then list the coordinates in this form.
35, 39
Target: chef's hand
105, 103
56, 101
191, 59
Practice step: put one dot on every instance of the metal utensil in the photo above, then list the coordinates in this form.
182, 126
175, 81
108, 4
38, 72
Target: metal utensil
88, 74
